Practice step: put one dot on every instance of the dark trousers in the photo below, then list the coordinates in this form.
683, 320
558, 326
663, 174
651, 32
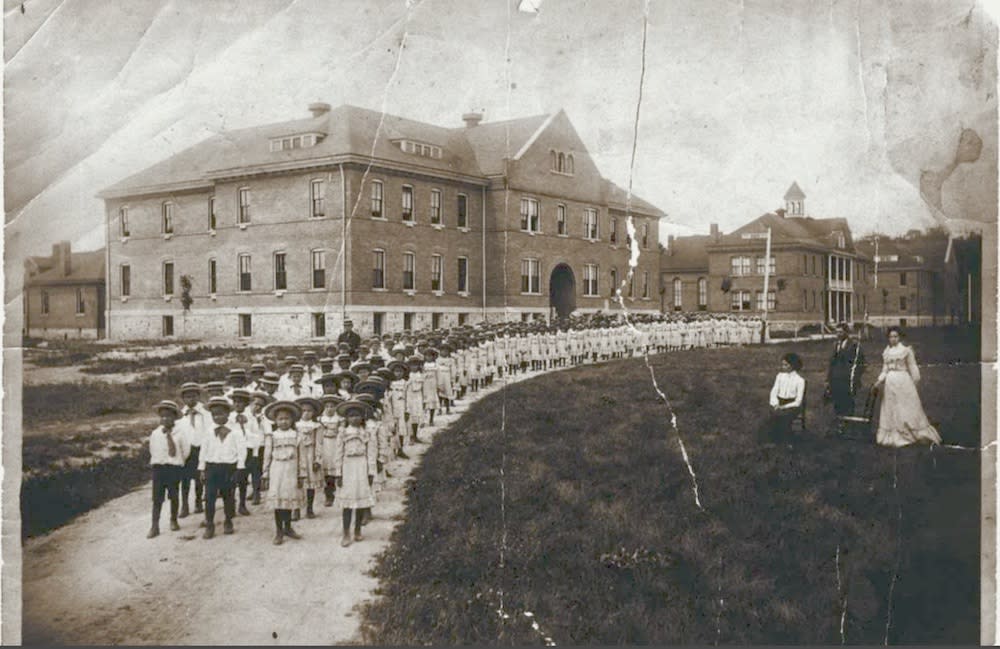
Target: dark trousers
220, 480
843, 400
189, 473
252, 473
166, 478
778, 425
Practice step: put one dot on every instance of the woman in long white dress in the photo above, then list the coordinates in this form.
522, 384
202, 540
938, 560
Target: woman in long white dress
901, 420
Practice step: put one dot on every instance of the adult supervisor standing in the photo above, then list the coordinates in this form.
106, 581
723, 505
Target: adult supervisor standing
843, 378
349, 336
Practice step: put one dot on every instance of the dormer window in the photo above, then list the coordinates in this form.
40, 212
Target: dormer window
419, 148
561, 163
841, 239
300, 141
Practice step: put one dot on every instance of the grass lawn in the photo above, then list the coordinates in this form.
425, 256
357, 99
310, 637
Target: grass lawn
602, 542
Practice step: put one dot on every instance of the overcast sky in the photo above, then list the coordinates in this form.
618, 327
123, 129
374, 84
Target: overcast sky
853, 99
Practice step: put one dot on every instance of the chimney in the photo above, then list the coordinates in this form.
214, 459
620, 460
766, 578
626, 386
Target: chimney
713, 229
318, 109
780, 212
61, 257
472, 119
670, 244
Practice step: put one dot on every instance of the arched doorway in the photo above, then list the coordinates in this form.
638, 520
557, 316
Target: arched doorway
562, 291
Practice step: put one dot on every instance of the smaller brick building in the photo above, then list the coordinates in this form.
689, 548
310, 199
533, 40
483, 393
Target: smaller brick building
64, 294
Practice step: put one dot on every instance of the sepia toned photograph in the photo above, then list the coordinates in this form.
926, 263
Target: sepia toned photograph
499, 322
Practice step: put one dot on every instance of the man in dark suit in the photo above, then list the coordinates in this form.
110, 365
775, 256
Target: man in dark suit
348, 335
843, 378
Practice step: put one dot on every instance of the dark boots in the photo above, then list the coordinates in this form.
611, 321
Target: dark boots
289, 532
310, 499
279, 524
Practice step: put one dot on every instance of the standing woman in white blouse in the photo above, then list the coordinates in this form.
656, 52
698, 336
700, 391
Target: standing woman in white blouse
901, 420
785, 401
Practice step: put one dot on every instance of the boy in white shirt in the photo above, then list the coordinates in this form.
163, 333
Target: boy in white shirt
167, 453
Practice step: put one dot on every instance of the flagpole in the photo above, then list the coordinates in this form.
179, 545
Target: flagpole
767, 278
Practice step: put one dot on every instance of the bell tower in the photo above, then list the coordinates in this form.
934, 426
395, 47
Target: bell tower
795, 201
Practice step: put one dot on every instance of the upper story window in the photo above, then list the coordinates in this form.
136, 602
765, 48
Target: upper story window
167, 214
840, 238
529, 215
761, 266
419, 148
243, 205
211, 213
613, 230
377, 199
530, 276
81, 304
300, 141
740, 266
436, 206
645, 235
409, 271
126, 280
561, 162
590, 280
317, 199
590, 229
123, 221
407, 203
168, 278
463, 211
560, 219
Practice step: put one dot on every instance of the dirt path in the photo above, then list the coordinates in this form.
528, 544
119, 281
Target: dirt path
100, 581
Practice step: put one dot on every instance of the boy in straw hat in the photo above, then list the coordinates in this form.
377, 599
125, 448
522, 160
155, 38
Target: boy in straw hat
240, 422
257, 432
167, 453
194, 423
222, 455
284, 469
354, 466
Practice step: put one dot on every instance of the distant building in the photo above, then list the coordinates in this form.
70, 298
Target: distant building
65, 294
286, 229
816, 273
918, 282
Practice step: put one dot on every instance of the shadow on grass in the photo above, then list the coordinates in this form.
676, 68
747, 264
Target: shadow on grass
599, 538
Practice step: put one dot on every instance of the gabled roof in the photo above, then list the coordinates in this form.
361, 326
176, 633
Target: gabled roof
686, 254
800, 229
795, 193
489, 141
85, 268
921, 252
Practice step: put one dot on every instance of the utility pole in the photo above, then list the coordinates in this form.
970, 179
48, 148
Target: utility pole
767, 278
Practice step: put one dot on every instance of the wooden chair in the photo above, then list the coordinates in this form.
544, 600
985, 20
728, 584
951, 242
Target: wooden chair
860, 427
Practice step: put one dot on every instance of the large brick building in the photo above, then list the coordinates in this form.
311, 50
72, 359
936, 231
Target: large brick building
816, 274
504, 220
64, 294
918, 280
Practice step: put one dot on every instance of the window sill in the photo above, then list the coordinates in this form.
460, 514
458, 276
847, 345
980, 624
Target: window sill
80, 315
464, 229
378, 289
464, 294
125, 239
279, 292
167, 298
212, 297
124, 299
410, 291
564, 236
378, 217
243, 226
561, 173
167, 236
409, 224
317, 217
437, 293
437, 226
211, 232
534, 294
317, 289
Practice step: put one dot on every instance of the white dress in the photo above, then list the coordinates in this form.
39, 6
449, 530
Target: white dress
901, 419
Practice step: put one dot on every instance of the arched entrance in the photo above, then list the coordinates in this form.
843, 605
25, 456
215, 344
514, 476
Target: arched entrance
562, 291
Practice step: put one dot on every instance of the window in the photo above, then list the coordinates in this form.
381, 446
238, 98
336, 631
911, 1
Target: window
408, 321
319, 269
740, 300
740, 266
211, 213
902, 303
553, 160
678, 294
435, 206
805, 300
530, 282
560, 219
377, 199
378, 269
243, 212
771, 301
614, 282
613, 230
45, 302
590, 230
631, 284
436, 262
211, 277
561, 166
645, 284
168, 278
902, 279
378, 323
168, 325
462, 318
569, 164
435, 321
463, 211
814, 300
760, 266
463, 274
645, 235
407, 203
295, 142
529, 215
590, 280
814, 264
280, 274
123, 220
167, 217
126, 280
319, 325
841, 239
317, 198
246, 325
409, 263
702, 294
426, 150
243, 263
80, 305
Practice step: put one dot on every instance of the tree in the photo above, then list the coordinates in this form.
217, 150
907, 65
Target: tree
186, 299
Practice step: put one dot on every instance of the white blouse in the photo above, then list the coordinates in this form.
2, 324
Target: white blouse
788, 385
